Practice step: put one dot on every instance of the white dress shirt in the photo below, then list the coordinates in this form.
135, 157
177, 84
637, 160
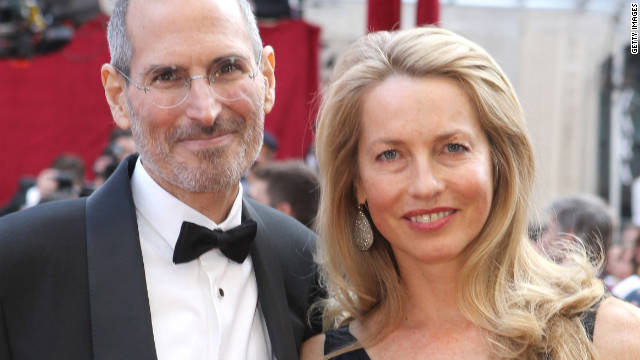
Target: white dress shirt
203, 309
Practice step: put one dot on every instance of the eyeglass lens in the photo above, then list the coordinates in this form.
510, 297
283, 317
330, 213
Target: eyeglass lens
170, 86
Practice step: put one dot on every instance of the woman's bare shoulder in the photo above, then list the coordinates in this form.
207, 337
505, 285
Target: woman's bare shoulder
617, 330
313, 348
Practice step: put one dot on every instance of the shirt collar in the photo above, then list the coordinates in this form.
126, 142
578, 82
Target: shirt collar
166, 213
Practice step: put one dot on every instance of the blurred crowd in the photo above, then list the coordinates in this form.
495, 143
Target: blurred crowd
587, 221
65, 177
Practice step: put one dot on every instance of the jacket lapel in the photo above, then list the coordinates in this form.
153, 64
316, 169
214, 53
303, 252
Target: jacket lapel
120, 315
271, 292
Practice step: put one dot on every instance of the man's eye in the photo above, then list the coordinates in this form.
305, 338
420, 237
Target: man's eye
388, 155
167, 78
230, 68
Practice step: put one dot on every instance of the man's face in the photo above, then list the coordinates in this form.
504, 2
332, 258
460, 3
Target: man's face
204, 144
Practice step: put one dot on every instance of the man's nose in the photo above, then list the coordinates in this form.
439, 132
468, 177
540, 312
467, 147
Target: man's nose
202, 104
427, 181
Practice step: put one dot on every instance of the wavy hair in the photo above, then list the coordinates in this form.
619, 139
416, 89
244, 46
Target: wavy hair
527, 304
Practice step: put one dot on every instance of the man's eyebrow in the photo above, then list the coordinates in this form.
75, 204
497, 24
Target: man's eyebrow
154, 67
228, 56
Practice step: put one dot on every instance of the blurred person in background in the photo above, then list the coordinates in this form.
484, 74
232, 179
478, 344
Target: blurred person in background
65, 175
31, 190
72, 167
103, 167
426, 170
289, 186
584, 218
266, 155
629, 287
619, 264
121, 145
268, 150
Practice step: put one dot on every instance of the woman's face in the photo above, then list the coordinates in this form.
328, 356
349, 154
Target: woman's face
424, 167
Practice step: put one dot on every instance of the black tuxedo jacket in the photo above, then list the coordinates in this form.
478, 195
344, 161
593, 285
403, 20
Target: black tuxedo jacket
72, 283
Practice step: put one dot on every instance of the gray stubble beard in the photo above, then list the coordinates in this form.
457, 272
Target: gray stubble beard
220, 173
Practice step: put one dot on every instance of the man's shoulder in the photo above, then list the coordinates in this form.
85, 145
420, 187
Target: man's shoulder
30, 227
45, 236
43, 214
275, 221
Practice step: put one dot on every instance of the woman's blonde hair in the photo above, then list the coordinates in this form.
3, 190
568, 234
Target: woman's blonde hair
527, 304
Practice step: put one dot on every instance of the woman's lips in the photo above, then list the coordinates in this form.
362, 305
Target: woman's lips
430, 219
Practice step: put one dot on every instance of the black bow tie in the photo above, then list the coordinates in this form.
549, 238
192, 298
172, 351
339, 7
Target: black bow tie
194, 240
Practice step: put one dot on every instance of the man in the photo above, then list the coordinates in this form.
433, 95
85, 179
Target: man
268, 151
65, 176
628, 288
289, 186
582, 216
116, 275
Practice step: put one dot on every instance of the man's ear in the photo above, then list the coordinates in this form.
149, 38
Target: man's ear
285, 207
114, 90
268, 72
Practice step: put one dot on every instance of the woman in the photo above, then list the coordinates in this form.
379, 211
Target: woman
426, 170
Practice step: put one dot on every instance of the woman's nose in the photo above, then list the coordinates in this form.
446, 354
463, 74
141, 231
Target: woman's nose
426, 180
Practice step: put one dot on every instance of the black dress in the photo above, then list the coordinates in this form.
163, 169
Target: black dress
339, 338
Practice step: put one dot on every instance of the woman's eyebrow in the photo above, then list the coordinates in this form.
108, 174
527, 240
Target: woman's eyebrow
452, 134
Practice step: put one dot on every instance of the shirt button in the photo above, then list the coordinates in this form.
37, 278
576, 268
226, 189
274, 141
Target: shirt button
220, 292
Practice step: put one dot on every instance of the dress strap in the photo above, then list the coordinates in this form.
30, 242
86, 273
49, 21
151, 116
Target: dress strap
588, 319
340, 338
336, 339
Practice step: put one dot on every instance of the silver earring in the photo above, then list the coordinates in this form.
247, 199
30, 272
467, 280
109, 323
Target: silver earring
364, 234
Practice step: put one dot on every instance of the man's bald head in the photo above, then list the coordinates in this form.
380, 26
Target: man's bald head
121, 49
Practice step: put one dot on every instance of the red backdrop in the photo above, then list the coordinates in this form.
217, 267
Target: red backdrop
297, 49
386, 14
55, 103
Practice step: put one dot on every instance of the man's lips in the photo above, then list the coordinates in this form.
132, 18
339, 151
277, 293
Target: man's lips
209, 140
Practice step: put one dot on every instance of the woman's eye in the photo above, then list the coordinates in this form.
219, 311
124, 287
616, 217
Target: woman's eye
388, 155
454, 148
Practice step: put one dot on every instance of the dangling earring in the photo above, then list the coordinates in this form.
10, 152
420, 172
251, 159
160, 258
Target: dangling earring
364, 234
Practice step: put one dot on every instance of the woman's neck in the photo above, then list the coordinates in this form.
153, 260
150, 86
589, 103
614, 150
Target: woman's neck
431, 299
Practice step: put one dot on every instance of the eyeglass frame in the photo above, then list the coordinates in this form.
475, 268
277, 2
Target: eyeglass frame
252, 75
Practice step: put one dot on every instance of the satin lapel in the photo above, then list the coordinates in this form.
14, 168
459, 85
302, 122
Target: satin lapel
120, 316
271, 291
